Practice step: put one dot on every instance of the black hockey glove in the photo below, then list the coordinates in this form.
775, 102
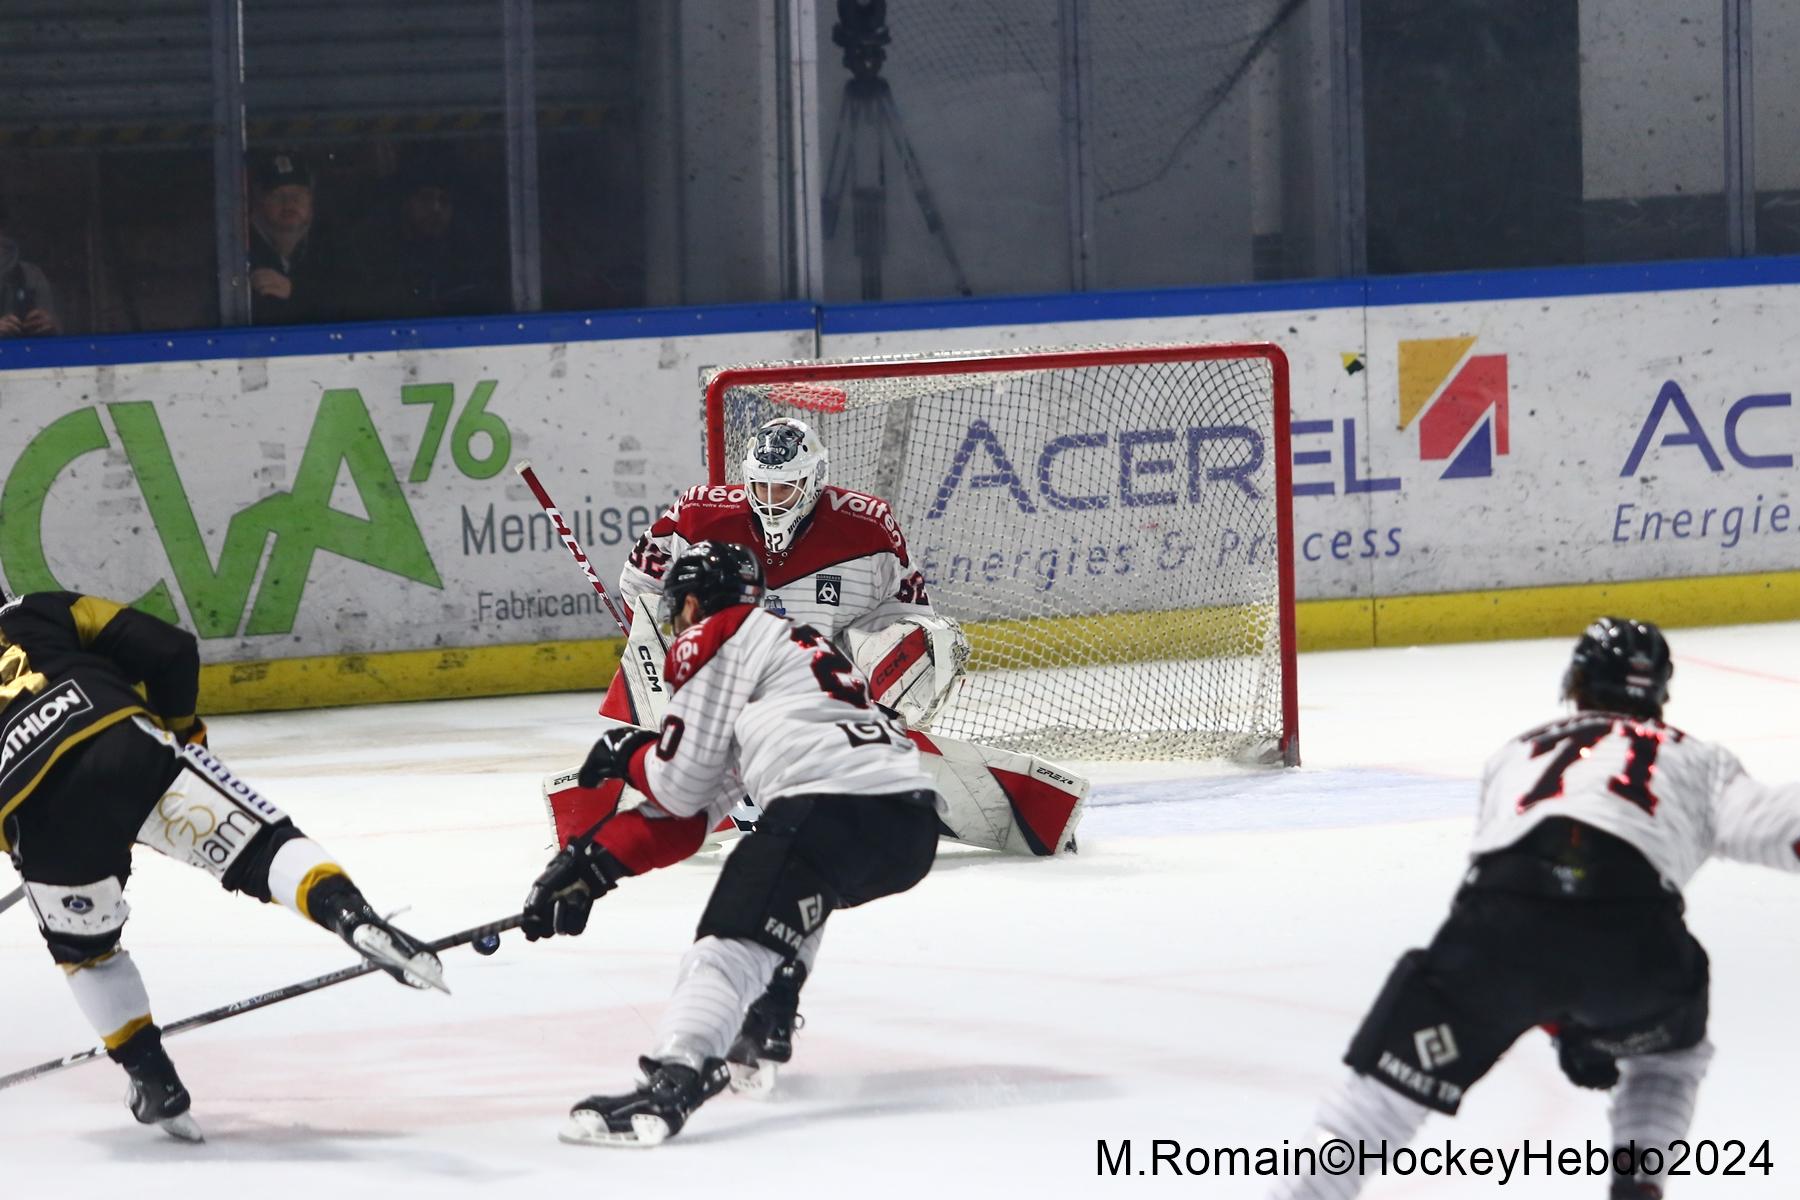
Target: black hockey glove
612, 753
1586, 1065
561, 898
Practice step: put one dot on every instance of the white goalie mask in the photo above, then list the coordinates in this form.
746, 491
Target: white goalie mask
784, 473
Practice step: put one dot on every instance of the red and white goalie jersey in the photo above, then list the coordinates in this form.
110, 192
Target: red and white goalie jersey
849, 566
1675, 798
769, 708
845, 572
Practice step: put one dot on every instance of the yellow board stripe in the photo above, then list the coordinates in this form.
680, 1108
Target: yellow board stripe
587, 666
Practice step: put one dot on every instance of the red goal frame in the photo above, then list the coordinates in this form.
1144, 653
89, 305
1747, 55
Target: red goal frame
979, 364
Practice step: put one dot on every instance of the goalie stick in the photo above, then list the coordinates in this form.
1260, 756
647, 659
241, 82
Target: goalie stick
568, 538
475, 933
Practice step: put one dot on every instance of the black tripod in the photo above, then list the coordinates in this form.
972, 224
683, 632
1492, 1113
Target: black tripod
868, 123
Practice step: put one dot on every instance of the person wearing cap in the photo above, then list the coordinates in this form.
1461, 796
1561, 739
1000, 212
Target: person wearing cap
293, 277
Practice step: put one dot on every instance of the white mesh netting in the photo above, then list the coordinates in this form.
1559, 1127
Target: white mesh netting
1106, 533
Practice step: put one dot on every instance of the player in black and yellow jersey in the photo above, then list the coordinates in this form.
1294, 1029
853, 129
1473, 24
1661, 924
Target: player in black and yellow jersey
90, 694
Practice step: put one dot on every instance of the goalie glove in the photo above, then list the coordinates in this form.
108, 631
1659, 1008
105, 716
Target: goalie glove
562, 897
611, 755
912, 664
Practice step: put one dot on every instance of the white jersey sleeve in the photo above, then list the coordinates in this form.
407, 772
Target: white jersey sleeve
1675, 798
1756, 822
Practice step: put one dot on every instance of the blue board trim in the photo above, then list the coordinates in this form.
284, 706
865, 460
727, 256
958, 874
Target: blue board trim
376, 336
897, 316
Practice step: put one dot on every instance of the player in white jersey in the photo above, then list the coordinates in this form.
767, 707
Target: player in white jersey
764, 706
1571, 918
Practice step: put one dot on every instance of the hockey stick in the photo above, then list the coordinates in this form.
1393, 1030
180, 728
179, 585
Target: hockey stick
11, 898
568, 537
238, 1008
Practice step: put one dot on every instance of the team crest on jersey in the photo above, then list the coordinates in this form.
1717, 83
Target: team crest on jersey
773, 604
829, 589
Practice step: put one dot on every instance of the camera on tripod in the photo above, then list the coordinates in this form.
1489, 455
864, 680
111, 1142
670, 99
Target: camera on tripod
862, 31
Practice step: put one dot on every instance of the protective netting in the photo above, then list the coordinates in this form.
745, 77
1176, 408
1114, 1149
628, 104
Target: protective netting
1104, 525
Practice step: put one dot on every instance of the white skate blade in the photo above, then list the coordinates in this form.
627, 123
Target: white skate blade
753, 1081
422, 970
587, 1128
182, 1128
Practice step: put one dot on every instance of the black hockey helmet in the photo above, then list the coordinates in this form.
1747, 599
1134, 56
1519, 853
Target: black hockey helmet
1620, 665
720, 573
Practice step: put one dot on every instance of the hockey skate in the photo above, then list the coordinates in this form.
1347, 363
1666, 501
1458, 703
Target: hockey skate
668, 1094
336, 904
156, 1094
767, 1036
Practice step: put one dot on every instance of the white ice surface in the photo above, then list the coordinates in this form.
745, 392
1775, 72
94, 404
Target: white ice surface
1194, 974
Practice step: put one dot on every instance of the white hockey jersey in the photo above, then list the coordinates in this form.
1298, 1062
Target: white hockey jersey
769, 708
848, 566
1677, 799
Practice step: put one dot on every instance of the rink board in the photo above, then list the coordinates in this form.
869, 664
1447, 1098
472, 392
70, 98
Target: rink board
333, 512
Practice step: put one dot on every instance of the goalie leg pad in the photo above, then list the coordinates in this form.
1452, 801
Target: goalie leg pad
1003, 800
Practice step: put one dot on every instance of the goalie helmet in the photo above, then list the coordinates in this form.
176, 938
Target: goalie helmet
720, 573
1620, 665
786, 463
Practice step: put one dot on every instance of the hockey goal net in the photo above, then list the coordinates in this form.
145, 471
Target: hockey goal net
1113, 527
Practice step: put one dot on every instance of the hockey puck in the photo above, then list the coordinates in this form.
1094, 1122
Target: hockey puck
487, 944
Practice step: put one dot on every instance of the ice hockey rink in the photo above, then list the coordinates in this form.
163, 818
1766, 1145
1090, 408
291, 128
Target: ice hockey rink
1194, 974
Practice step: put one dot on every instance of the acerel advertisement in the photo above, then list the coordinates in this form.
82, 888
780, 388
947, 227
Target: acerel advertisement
345, 504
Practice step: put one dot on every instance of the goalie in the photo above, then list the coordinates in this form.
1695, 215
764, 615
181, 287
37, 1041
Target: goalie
833, 558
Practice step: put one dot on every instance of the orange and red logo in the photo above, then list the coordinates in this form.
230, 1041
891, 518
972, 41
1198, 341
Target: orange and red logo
1459, 400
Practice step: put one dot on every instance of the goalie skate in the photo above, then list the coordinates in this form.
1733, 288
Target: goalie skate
650, 1116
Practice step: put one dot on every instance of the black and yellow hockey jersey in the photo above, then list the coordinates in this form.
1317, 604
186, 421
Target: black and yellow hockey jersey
71, 666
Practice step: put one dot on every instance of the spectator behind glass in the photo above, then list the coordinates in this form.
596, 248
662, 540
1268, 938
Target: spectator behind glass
425, 254
293, 275
27, 305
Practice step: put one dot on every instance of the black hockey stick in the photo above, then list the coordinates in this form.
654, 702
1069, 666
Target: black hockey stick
11, 898
238, 1008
